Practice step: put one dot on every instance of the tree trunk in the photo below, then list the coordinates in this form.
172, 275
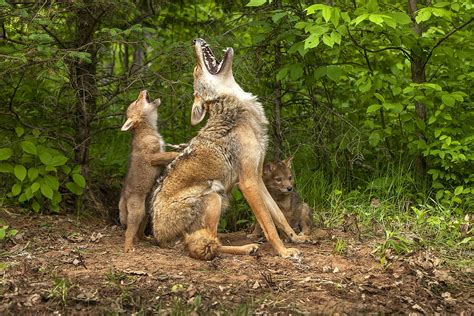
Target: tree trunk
82, 75
277, 130
418, 76
278, 135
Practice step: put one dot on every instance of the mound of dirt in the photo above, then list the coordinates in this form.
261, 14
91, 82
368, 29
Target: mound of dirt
65, 264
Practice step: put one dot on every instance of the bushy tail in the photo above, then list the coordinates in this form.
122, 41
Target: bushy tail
202, 245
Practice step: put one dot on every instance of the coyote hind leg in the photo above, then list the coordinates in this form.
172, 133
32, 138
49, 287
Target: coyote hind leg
123, 210
136, 215
204, 244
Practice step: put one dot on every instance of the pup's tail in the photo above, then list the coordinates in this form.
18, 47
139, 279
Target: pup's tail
202, 245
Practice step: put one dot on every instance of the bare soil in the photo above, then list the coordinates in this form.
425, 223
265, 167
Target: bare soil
66, 264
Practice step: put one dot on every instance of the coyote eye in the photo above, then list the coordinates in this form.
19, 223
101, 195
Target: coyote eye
291, 177
278, 179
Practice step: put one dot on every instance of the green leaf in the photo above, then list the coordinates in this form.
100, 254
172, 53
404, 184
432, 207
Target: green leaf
34, 187
36, 206
376, 18
373, 108
79, 180
334, 72
360, 18
423, 15
393, 107
312, 41
74, 188
256, 3
45, 158
300, 25
52, 182
400, 17
313, 8
33, 173
46, 191
282, 74
16, 189
458, 190
372, 5
6, 168
448, 100
277, 16
5, 153
20, 172
336, 37
19, 131
328, 40
439, 194
28, 147
59, 160
296, 71
327, 12
374, 138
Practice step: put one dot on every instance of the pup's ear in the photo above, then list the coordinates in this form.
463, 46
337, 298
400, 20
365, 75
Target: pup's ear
157, 102
198, 112
287, 161
127, 125
268, 167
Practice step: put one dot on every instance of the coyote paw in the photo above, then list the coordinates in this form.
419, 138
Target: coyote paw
291, 253
252, 248
299, 239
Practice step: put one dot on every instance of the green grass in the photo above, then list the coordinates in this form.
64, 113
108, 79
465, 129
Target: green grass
391, 207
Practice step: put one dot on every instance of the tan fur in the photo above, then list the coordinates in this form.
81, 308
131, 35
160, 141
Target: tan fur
278, 179
145, 163
230, 148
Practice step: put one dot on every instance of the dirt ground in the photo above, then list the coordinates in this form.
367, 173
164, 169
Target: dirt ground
62, 264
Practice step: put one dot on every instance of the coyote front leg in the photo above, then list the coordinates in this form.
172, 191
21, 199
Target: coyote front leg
163, 158
253, 193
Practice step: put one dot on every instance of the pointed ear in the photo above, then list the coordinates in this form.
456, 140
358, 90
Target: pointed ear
287, 161
268, 167
157, 102
127, 125
198, 112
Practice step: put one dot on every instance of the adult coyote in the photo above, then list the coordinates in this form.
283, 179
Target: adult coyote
229, 149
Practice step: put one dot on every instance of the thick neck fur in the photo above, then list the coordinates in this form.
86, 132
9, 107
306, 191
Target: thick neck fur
227, 111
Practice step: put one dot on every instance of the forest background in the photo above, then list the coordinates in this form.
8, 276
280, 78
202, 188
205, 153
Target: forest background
373, 99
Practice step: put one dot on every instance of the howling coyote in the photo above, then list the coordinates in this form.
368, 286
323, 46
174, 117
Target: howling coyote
229, 149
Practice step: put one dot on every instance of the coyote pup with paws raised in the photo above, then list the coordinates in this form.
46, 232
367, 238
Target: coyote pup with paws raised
146, 161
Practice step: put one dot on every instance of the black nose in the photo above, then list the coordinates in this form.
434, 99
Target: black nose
289, 189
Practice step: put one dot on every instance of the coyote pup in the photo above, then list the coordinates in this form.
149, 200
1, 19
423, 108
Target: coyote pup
278, 179
230, 148
146, 157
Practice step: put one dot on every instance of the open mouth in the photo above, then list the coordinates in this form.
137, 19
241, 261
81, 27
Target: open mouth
213, 65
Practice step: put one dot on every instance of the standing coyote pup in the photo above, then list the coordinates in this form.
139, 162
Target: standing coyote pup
146, 155
278, 179
230, 148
